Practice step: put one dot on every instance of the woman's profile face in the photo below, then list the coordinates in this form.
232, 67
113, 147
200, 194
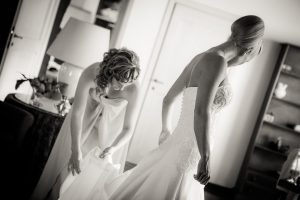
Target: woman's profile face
238, 60
118, 85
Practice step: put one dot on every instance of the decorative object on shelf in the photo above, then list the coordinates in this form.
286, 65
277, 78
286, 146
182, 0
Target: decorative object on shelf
286, 68
108, 13
64, 106
290, 174
79, 44
278, 145
295, 127
269, 117
42, 87
280, 91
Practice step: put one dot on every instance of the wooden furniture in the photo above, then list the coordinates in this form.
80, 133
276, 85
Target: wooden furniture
15, 124
292, 190
272, 139
107, 13
111, 14
38, 142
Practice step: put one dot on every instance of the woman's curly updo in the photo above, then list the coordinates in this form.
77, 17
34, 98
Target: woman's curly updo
121, 64
247, 31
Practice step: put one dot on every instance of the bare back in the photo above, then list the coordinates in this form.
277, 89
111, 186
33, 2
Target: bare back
201, 72
199, 68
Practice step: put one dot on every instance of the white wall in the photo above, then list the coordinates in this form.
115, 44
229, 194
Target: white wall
249, 82
142, 27
235, 123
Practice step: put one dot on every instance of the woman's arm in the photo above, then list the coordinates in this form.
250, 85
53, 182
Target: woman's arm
82, 91
131, 94
170, 97
208, 82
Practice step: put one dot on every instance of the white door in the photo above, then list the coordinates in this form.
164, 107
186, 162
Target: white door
27, 47
191, 30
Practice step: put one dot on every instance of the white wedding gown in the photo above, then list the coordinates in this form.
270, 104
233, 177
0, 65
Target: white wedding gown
166, 173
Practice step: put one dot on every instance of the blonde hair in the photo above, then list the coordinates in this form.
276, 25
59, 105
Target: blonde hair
247, 31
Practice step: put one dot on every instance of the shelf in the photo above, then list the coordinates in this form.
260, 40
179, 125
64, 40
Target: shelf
263, 161
290, 74
281, 127
263, 148
287, 102
106, 19
263, 174
262, 187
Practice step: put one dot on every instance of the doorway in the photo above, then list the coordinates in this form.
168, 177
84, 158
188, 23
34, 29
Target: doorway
9, 13
188, 29
28, 42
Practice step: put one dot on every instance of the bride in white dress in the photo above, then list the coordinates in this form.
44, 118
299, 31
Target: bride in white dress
179, 168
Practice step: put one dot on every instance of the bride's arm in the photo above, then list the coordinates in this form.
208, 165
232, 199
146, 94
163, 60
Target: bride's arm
208, 82
170, 97
84, 84
131, 94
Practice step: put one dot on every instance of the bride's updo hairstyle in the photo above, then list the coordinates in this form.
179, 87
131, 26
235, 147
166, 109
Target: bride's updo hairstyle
121, 64
247, 32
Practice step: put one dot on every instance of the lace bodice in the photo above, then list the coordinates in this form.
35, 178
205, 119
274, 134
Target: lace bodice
222, 97
188, 153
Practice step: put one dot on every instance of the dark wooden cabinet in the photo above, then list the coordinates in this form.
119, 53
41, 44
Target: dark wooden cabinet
274, 134
36, 145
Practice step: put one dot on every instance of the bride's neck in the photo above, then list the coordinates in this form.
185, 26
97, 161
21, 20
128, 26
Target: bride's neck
227, 50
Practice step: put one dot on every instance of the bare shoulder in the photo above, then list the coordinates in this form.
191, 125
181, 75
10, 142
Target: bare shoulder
130, 92
89, 74
92, 70
211, 62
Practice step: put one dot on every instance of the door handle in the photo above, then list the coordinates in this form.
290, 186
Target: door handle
157, 81
17, 36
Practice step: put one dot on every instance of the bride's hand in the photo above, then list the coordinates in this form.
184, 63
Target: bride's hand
74, 162
107, 151
203, 172
163, 136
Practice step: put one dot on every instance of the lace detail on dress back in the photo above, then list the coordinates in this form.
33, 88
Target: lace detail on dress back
222, 97
188, 153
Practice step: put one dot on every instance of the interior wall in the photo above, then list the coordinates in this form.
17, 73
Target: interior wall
236, 122
249, 85
144, 19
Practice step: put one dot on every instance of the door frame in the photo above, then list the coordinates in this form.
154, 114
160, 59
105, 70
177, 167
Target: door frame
158, 44
45, 33
10, 36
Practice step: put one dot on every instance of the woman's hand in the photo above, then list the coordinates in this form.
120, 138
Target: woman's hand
107, 151
163, 136
74, 162
203, 172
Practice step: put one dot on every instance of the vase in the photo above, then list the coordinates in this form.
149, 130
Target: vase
34, 98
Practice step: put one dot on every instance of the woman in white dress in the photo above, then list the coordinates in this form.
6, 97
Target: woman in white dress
101, 116
175, 169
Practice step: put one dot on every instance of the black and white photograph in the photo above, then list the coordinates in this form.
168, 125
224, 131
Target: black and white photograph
150, 99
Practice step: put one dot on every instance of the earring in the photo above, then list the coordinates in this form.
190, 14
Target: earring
248, 51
